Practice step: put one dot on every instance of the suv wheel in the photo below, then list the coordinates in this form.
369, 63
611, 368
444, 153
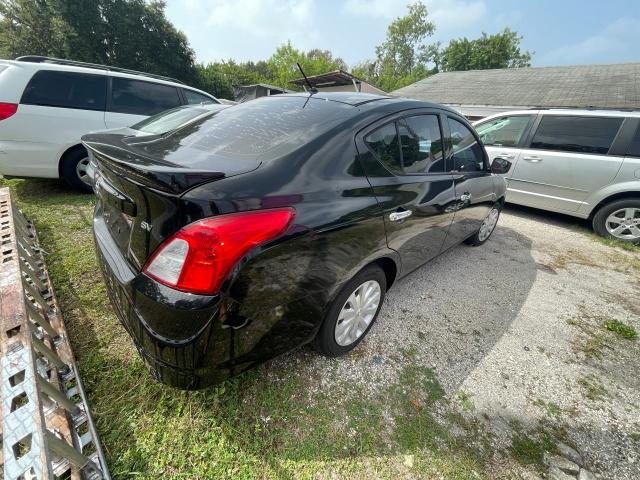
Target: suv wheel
352, 313
619, 220
74, 169
487, 227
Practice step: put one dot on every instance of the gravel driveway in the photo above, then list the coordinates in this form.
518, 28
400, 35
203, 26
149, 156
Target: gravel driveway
515, 331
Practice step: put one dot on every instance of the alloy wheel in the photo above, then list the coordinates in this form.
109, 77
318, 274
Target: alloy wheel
624, 223
357, 313
81, 170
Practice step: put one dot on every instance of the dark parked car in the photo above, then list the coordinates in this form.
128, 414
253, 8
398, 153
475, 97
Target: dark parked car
279, 222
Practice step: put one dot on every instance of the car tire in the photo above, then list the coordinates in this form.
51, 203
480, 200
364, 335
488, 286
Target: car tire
341, 331
618, 214
487, 227
71, 167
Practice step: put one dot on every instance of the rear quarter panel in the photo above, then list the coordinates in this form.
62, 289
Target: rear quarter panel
627, 180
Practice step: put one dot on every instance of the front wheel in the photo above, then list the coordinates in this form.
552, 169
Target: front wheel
352, 313
619, 220
487, 227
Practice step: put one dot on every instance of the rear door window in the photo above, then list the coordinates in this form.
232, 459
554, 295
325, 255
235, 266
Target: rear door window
468, 154
66, 90
142, 98
412, 145
421, 144
504, 131
383, 142
195, 98
576, 134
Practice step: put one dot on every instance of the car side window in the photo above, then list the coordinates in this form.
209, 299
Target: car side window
66, 90
503, 131
567, 133
142, 98
195, 98
634, 148
468, 155
421, 144
383, 142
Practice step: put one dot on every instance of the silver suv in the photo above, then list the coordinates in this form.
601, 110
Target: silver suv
584, 163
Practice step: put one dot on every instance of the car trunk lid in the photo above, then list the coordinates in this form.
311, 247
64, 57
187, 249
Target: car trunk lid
138, 192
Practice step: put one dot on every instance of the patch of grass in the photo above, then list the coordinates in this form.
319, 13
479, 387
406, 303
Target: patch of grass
621, 329
465, 401
410, 352
594, 390
594, 339
635, 436
529, 450
271, 422
552, 409
612, 242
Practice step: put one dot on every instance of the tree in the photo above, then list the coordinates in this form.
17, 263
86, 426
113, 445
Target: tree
400, 59
125, 33
318, 61
501, 50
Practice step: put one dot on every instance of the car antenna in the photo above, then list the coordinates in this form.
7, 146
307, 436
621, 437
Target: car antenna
312, 89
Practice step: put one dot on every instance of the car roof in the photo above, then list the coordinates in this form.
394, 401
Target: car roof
369, 100
350, 98
36, 66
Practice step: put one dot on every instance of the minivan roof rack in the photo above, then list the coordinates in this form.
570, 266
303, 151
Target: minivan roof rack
74, 63
590, 107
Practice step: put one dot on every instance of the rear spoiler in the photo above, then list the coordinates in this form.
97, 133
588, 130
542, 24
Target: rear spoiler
159, 175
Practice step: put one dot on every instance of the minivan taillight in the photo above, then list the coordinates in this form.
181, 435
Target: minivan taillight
199, 257
7, 110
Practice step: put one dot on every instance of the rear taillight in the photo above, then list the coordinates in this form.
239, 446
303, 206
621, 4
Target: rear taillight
7, 110
199, 257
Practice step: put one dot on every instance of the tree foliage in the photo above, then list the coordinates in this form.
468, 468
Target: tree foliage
125, 33
219, 78
400, 59
501, 50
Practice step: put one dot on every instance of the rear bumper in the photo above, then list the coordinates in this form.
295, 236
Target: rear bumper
193, 341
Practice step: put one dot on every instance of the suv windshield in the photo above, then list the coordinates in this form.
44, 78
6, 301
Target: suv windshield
170, 120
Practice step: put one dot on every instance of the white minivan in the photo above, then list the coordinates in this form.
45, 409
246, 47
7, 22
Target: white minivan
584, 163
47, 105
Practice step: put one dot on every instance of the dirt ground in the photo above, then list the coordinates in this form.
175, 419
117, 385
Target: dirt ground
516, 332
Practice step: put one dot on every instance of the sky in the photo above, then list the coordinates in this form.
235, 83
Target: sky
559, 32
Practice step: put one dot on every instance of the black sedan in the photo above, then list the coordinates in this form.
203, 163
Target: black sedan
279, 222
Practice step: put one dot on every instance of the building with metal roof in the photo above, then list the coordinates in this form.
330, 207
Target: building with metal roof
479, 93
244, 93
338, 81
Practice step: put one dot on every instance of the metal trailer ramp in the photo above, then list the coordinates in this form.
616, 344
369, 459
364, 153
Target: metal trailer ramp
47, 429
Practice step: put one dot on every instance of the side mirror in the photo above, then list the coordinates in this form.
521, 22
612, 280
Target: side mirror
500, 165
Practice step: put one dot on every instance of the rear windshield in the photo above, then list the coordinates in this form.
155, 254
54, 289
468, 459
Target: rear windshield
267, 127
170, 120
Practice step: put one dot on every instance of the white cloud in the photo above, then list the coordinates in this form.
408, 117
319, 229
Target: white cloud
448, 15
617, 42
261, 17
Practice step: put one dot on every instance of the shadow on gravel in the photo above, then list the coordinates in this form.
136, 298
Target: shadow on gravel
461, 304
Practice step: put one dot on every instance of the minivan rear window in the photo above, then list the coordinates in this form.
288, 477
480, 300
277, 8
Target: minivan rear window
576, 134
634, 148
66, 90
